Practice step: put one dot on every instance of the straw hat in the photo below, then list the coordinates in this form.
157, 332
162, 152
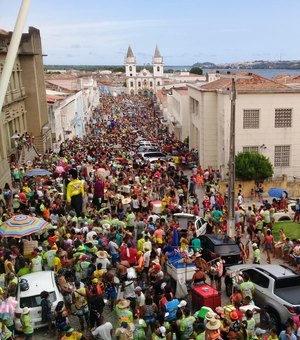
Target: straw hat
213, 324
126, 200
101, 254
25, 310
123, 303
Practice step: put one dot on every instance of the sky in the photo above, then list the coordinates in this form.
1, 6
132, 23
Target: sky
98, 32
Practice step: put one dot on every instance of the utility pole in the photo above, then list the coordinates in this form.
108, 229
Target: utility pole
231, 163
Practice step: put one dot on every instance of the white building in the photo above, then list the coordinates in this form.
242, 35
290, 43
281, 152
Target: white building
143, 82
267, 121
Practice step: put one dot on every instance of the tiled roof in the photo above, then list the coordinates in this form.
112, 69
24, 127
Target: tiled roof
181, 90
287, 79
256, 82
67, 84
157, 52
129, 52
53, 99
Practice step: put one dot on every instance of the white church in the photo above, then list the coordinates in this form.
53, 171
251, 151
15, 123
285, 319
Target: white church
143, 82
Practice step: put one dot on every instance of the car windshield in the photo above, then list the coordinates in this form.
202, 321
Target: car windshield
227, 249
35, 300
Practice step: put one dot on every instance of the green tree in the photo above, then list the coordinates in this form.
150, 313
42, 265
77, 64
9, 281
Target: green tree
252, 165
196, 70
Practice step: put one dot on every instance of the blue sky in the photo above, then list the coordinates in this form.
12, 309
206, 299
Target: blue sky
98, 32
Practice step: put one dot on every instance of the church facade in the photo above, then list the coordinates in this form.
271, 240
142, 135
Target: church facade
143, 82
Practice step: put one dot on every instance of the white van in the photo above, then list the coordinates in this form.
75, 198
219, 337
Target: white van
31, 296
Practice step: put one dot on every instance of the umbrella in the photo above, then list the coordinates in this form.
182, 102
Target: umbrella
37, 172
22, 225
59, 169
278, 192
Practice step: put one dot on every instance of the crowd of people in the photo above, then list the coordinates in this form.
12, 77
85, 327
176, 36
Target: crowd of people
106, 243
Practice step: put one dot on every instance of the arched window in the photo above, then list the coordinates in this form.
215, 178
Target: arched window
130, 68
158, 68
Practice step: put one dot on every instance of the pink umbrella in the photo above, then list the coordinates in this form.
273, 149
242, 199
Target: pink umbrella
59, 169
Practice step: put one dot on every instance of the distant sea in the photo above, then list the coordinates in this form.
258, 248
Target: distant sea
267, 73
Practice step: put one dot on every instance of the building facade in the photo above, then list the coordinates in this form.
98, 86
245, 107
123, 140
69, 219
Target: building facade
267, 121
25, 105
144, 82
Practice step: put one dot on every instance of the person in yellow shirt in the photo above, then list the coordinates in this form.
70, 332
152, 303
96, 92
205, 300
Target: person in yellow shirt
57, 263
71, 334
75, 193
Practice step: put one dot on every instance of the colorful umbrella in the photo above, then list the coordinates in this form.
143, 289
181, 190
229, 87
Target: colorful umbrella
22, 225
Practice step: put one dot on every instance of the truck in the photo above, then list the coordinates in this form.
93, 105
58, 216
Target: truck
277, 287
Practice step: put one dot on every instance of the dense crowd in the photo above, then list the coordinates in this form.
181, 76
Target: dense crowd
107, 244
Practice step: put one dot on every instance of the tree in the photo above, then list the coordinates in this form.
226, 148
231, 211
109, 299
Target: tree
196, 70
252, 165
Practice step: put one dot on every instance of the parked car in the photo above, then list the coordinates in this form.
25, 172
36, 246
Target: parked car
152, 156
283, 215
214, 246
29, 294
199, 222
147, 149
275, 286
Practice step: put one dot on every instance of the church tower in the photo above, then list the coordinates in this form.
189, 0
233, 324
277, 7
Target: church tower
130, 63
157, 63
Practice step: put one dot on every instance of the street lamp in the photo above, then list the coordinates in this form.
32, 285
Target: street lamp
231, 178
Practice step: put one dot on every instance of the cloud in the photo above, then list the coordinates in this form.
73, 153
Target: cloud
75, 46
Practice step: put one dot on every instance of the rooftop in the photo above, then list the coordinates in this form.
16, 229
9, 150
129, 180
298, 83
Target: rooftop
256, 82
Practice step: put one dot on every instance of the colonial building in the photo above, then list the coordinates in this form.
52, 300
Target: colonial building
267, 121
143, 82
25, 105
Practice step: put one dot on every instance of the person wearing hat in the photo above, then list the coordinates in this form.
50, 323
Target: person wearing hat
102, 258
159, 334
27, 328
124, 314
256, 254
71, 334
75, 192
212, 329
36, 264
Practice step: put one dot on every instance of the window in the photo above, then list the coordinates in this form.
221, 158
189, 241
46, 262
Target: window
130, 68
283, 118
250, 148
260, 279
151, 84
251, 119
35, 300
158, 83
282, 155
131, 84
139, 84
158, 68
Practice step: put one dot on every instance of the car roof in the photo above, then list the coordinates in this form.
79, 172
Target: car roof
38, 282
219, 239
274, 270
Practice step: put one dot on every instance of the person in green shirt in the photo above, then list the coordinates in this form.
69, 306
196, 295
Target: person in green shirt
26, 323
186, 324
196, 243
256, 254
6, 333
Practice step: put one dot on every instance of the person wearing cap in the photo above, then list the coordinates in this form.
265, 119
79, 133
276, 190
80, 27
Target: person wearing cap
71, 334
36, 264
140, 299
27, 328
9, 263
159, 334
